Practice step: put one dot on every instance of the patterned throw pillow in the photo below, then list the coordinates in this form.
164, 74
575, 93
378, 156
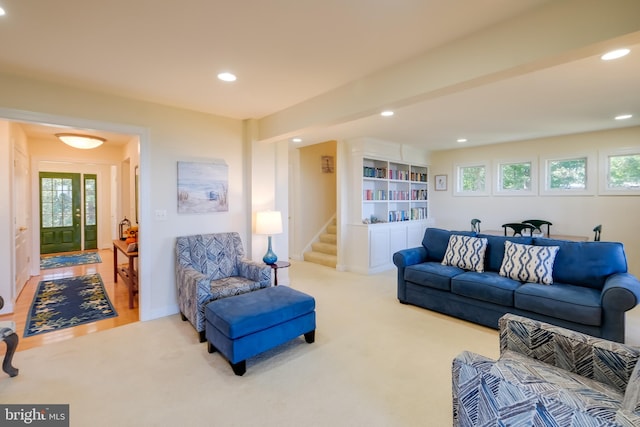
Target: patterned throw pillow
465, 252
528, 263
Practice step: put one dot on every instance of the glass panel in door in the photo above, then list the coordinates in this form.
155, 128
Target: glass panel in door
59, 212
90, 212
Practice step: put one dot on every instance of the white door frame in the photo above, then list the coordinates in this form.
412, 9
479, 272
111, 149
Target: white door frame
145, 189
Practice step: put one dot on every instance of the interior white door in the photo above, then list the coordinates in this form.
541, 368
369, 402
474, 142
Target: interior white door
22, 219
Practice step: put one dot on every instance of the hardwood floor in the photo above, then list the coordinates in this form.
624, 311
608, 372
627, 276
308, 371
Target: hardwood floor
118, 294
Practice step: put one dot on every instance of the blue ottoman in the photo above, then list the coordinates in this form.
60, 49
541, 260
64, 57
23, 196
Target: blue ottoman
245, 325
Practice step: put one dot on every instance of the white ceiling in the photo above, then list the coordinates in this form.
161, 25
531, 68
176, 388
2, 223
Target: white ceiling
287, 51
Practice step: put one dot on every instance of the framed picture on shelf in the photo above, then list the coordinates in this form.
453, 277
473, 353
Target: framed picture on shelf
440, 182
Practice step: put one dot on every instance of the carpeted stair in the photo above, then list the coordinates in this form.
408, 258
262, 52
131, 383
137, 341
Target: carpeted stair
325, 251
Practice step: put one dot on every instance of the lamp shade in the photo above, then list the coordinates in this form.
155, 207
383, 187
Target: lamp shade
269, 223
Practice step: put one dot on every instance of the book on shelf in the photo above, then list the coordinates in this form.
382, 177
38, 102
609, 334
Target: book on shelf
371, 172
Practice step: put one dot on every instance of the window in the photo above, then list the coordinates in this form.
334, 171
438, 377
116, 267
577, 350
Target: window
471, 180
56, 202
516, 178
569, 176
622, 172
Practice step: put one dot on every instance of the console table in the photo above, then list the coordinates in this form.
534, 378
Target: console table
127, 271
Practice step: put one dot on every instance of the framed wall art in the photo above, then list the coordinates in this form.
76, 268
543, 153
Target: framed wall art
440, 182
327, 164
203, 187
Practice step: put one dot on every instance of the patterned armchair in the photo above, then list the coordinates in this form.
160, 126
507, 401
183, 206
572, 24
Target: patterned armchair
211, 267
547, 375
10, 338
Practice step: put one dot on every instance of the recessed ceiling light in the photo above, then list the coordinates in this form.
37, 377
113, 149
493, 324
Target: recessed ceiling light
615, 54
227, 77
461, 140
2, 12
387, 113
296, 140
624, 116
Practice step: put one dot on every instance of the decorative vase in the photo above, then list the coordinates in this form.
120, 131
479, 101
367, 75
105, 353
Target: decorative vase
270, 257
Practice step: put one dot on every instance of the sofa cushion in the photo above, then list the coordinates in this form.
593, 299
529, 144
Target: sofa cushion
495, 249
528, 263
583, 394
231, 286
465, 252
432, 275
567, 302
586, 263
631, 400
436, 240
488, 286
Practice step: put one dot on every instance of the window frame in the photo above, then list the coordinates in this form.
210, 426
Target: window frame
590, 176
604, 172
533, 176
457, 183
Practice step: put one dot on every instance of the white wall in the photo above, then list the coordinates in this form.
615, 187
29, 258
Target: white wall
166, 136
572, 215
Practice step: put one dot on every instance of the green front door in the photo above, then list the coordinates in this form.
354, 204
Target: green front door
60, 212
90, 212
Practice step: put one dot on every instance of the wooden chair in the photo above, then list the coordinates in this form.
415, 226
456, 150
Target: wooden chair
475, 225
538, 224
596, 230
518, 228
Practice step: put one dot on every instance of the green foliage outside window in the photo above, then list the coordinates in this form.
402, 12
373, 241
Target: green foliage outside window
56, 202
624, 171
90, 201
570, 174
473, 178
515, 176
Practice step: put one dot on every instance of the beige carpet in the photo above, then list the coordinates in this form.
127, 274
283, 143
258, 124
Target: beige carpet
375, 362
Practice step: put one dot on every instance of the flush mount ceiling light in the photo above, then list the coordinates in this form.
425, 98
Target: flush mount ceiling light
2, 12
615, 54
461, 140
623, 117
386, 113
296, 140
227, 77
84, 142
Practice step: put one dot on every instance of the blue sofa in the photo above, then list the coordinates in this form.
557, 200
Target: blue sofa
590, 293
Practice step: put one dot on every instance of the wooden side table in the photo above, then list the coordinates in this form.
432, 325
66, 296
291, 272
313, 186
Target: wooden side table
275, 267
128, 272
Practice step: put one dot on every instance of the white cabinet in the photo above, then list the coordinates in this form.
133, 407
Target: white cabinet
371, 247
389, 210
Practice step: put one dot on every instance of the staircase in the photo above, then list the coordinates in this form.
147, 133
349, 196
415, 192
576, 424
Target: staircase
325, 251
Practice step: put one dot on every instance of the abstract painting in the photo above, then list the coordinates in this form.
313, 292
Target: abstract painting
203, 187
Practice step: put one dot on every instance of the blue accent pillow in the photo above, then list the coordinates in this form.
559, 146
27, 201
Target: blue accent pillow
465, 252
528, 263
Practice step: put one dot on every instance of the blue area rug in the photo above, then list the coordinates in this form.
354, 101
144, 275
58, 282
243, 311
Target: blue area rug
56, 261
63, 303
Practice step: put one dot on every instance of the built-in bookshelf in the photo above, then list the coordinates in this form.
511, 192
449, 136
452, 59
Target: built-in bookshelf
393, 191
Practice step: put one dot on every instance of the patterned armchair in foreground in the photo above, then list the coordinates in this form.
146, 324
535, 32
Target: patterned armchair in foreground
211, 267
547, 376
